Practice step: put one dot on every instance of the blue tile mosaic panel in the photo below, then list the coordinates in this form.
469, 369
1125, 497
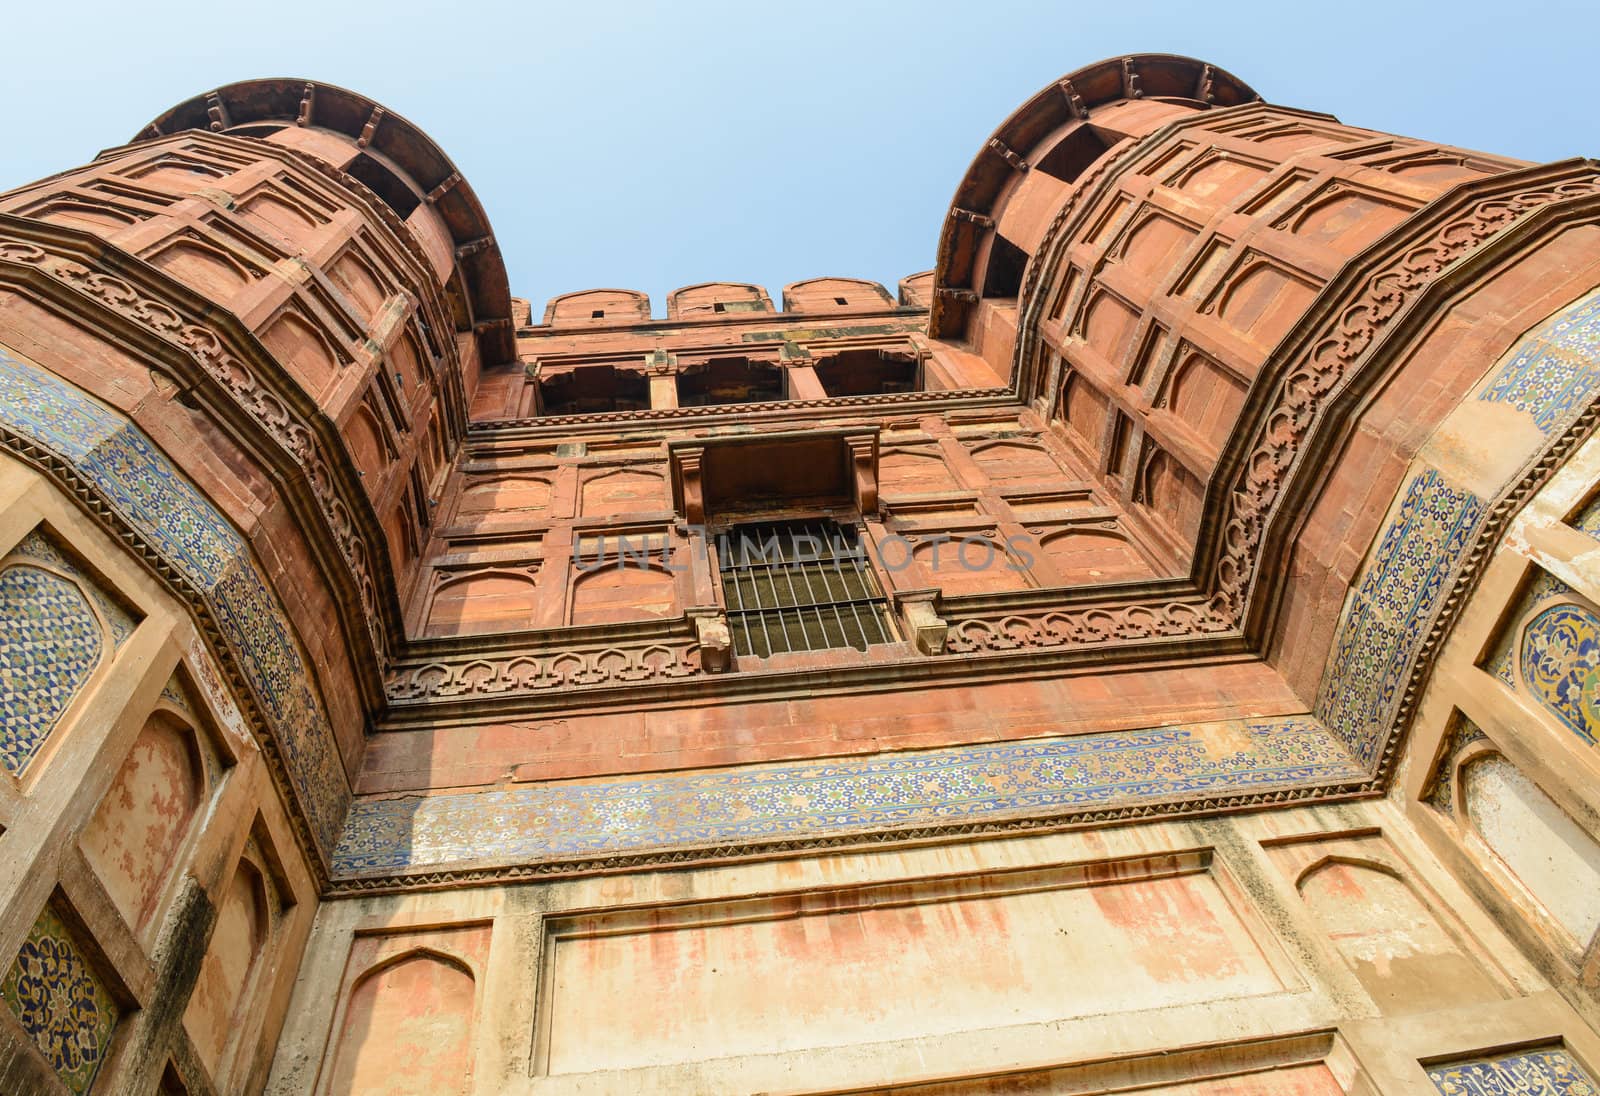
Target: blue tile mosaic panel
1554, 371
60, 1002
753, 804
53, 625
1392, 608
1546, 1072
36, 545
1502, 658
50, 642
136, 480
1549, 647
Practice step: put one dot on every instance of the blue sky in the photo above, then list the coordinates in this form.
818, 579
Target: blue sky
649, 146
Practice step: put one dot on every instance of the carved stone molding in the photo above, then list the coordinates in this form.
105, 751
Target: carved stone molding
1327, 355
897, 402
1085, 626
557, 669
272, 402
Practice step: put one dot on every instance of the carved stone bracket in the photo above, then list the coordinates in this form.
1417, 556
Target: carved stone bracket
863, 450
716, 642
688, 463
921, 621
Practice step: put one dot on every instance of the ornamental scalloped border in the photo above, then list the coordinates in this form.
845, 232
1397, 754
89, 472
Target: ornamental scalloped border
488, 431
1328, 361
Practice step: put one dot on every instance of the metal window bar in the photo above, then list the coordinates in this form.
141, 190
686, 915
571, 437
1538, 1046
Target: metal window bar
799, 586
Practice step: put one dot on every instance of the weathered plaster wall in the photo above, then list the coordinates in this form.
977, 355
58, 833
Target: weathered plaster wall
1048, 957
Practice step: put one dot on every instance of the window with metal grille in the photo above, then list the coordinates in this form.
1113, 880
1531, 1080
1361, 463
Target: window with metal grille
800, 586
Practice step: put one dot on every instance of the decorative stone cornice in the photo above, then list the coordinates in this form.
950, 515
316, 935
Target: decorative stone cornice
1349, 340
898, 403
211, 351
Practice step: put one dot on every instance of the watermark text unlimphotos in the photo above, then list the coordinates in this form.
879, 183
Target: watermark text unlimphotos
893, 553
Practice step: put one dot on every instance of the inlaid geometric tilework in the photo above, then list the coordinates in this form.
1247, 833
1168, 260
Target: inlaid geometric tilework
1555, 370
1576, 329
816, 799
136, 480
1551, 375
1547, 1072
36, 545
65, 1009
1387, 616
50, 642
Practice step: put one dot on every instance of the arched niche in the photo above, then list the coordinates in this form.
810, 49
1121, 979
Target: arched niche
502, 499
58, 629
966, 563
416, 1008
1398, 949
617, 593
237, 940
623, 491
484, 601
1205, 397
304, 351
1084, 410
1005, 461
914, 472
1536, 841
363, 436
1094, 555
361, 285
1173, 494
133, 839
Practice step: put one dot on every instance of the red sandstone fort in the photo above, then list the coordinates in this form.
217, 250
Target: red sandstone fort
1157, 649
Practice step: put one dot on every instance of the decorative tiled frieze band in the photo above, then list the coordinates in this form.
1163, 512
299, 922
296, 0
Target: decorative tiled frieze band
756, 805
